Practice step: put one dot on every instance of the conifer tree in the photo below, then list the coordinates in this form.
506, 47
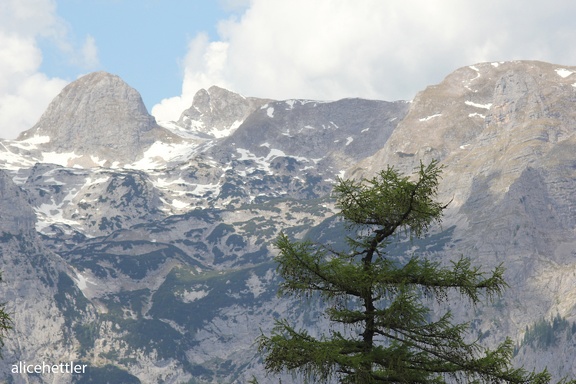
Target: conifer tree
5, 322
386, 334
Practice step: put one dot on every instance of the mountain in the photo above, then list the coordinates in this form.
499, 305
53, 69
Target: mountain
96, 117
40, 295
505, 132
144, 250
217, 112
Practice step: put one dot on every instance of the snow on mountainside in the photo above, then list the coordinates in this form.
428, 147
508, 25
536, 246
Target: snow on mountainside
217, 112
174, 233
148, 245
98, 115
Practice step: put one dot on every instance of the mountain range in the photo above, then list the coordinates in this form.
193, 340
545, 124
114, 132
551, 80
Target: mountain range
144, 249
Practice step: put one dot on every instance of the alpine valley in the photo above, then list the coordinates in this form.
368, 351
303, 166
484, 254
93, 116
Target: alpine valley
144, 249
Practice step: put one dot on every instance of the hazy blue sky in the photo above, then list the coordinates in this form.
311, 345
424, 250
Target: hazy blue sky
316, 49
142, 41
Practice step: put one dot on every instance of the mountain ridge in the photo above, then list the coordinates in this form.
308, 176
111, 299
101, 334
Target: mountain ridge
156, 261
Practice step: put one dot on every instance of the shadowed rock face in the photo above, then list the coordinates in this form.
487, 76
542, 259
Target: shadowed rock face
100, 115
16, 215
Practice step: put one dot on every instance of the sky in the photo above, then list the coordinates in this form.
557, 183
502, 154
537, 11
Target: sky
321, 49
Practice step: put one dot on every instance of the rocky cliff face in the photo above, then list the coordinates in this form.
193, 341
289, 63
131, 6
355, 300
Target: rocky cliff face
42, 299
17, 216
217, 112
98, 116
151, 261
506, 133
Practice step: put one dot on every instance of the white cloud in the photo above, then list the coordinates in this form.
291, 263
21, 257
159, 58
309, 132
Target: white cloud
30, 18
234, 5
22, 107
203, 67
325, 49
25, 91
89, 53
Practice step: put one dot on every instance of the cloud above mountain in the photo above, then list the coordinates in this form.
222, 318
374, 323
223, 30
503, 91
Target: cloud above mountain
24, 90
390, 50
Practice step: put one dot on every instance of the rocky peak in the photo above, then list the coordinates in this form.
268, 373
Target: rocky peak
218, 112
99, 115
475, 105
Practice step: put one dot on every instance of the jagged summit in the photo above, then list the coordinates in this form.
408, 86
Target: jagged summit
98, 115
217, 111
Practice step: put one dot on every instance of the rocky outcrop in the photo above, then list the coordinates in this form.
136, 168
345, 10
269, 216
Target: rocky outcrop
217, 111
330, 135
98, 115
485, 106
41, 297
17, 216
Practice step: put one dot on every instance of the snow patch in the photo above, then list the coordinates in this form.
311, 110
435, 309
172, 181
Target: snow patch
270, 112
483, 106
255, 285
160, 153
430, 117
477, 115
163, 183
51, 213
96, 160
263, 162
563, 72
62, 159
203, 189
226, 132
13, 161
82, 282
278, 153
178, 204
190, 296
34, 140
349, 140
99, 180
190, 131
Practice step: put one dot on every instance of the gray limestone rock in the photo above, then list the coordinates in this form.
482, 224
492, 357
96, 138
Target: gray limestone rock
217, 111
16, 215
98, 115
